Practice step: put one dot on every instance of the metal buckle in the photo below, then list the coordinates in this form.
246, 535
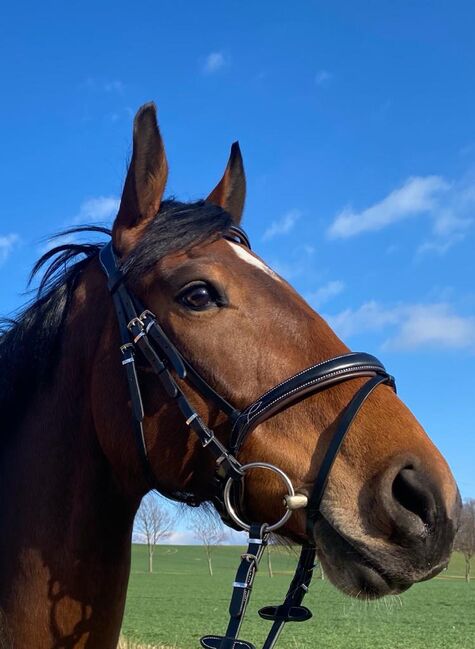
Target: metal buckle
135, 322
208, 441
145, 314
258, 465
127, 351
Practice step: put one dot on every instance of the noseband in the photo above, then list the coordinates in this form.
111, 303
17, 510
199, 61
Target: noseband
143, 339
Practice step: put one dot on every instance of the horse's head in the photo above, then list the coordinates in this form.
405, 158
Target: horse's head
389, 511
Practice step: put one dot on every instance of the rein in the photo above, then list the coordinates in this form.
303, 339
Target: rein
141, 334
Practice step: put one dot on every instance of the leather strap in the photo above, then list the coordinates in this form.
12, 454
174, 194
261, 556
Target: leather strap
144, 333
303, 384
242, 587
236, 233
292, 610
346, 419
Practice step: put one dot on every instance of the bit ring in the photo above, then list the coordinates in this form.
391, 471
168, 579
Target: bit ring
258, 465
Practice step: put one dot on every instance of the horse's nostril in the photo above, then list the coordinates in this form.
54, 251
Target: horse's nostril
413, 495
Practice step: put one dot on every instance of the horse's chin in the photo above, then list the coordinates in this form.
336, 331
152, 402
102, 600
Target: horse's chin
355, 571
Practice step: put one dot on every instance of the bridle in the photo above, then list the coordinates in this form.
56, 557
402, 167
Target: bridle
143, 339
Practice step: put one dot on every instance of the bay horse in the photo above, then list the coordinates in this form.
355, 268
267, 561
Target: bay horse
71, 478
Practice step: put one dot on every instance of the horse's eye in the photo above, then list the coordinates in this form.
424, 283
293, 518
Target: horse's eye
198, 297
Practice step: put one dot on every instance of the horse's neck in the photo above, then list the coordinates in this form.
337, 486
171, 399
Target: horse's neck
66, 526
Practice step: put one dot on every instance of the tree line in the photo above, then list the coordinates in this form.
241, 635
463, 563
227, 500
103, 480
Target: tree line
154, 523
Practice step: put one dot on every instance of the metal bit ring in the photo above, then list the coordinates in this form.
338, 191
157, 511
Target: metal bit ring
258, 465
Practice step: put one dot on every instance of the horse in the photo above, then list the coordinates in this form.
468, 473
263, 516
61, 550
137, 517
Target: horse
72, 476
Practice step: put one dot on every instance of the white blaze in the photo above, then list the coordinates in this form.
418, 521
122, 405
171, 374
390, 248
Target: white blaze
247, 256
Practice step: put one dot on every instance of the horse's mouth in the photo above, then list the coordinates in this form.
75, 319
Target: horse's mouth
356, 571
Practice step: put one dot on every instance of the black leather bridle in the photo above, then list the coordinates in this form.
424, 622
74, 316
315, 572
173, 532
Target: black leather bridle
142, 335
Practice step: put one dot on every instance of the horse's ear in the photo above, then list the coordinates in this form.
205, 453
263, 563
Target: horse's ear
145, 182
230, 192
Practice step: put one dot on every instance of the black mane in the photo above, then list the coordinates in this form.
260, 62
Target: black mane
29, 343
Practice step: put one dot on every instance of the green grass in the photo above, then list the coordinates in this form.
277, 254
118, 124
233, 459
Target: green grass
180, 602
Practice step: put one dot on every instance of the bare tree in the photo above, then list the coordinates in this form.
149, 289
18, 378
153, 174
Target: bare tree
210, 532
152, 523
465, 539
276, 545
269, 561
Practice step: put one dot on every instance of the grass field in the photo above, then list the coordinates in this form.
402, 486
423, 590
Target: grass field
180, 602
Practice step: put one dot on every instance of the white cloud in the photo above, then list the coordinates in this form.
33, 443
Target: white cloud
326, 292
439, 245
114, 86
176, 537
322, 77
297, 262
100, 208
7, 243
94, 84
214, 61
433, 325
282, 226
289, 270
450, 207
452, 220
418, 195
187, 537
413, 326
369, 317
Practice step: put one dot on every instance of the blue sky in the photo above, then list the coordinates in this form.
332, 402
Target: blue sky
357, 126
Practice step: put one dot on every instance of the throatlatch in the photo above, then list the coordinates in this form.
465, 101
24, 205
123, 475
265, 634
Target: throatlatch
141, 334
